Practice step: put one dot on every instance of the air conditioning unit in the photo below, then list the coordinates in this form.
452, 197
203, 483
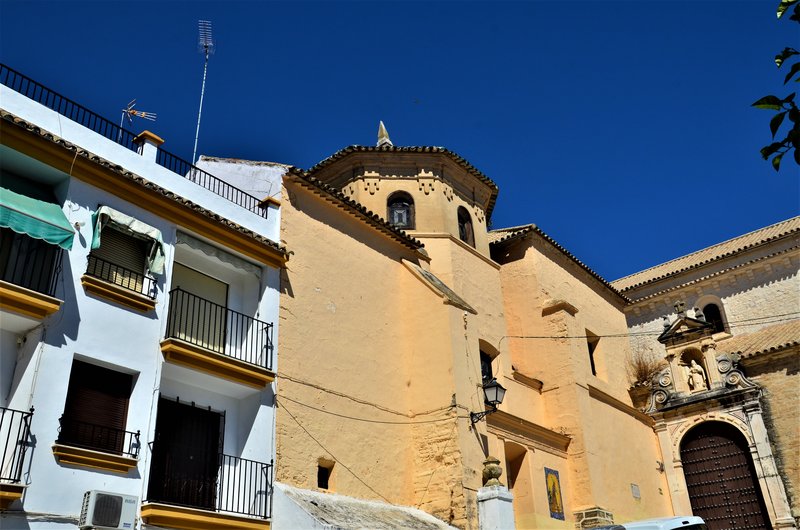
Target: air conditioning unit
106, 511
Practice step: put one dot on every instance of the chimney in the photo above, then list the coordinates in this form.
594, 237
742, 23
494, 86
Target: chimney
148, 144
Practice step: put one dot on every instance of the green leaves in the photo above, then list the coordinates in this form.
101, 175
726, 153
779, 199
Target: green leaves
769, 103
795, 68
786, 106
785, 54
784, 5
775, 122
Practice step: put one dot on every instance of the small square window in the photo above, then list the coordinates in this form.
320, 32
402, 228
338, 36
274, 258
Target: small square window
324, 471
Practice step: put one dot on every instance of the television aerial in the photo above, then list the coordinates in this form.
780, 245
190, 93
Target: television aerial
130, 112
205, 45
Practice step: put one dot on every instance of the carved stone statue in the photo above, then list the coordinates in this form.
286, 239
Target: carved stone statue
697, 377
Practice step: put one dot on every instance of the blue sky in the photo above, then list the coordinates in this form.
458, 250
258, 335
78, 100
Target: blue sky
623, 129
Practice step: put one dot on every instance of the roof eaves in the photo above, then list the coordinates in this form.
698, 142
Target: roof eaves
706, 261
524, 230
712, 275
346, 151
116, 168
355, 208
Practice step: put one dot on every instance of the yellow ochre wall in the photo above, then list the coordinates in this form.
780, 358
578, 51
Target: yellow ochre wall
362, 338
612, 445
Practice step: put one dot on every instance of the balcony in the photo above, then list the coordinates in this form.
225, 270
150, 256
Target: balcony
88, 445
111, 131
121, 285
189, 489
29, 271
15, 430
213, 339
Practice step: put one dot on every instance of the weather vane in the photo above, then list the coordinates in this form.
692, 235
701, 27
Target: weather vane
131, 112
205, 45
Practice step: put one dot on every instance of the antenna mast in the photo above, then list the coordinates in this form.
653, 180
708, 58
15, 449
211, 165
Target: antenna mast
130, 112
205, 45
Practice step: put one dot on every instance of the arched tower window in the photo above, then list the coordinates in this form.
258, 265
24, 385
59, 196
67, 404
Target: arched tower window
714, 316
400, 210
465, 232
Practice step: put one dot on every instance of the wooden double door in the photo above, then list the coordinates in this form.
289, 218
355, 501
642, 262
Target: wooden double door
722, 483
187, 455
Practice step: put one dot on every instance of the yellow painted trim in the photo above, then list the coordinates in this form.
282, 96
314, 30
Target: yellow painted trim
139, 193
147, 135
10, 493
608, 399
193, 519
180, 352
271, 201
78, 456
504, 423
117, 293
26, 301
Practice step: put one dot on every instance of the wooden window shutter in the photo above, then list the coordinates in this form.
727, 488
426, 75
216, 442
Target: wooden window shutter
96, 408
122, 249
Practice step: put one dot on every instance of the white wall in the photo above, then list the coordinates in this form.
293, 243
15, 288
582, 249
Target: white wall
104, 333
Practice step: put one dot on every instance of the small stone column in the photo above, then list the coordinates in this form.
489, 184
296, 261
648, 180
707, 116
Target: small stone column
148, 144
495, 510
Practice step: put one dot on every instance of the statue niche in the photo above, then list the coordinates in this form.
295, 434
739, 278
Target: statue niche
695, 374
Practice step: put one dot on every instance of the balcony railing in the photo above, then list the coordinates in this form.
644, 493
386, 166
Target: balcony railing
80, 114
127, 278
219, 483
98, 437
15, 431
219, 329
28, 262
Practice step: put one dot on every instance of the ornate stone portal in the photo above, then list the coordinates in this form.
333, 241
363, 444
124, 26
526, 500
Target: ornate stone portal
699, 385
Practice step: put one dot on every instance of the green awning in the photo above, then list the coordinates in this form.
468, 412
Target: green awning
35, 218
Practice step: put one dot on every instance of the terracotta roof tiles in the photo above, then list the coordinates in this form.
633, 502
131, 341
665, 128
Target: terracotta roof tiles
709, 254
770, 339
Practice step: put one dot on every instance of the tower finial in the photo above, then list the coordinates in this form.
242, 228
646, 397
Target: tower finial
383, 136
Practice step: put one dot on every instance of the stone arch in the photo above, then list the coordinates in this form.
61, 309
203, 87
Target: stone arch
400, 210
693, 379
719, 467
712, 300
519, 476
685, 427
488, 355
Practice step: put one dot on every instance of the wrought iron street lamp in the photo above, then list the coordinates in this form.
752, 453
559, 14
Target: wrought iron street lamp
493, 394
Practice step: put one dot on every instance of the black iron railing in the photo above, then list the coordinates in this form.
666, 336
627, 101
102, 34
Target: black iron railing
211, 183
127, 278
98, 437
66, 107
15, 431
219, 329
80, 114
184, 476
29, 262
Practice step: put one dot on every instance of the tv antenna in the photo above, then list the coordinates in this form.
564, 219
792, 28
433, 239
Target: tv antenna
131, 113
205, 45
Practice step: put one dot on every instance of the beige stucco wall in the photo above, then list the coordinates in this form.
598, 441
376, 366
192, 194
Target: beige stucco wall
595, 411
765, 288
779, 376
379, 357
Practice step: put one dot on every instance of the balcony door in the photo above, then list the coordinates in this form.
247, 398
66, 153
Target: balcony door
186, 455
199, 310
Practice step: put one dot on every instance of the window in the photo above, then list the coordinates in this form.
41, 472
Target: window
125, 251
486, 367
592, 341
714, 317
324, 474
120, 259
465, 232
96, 409
401, 210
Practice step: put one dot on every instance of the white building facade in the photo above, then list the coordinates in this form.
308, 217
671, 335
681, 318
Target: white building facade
138, 333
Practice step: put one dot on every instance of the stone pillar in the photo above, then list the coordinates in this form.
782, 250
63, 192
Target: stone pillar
495, 509
770, 480
148, 144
